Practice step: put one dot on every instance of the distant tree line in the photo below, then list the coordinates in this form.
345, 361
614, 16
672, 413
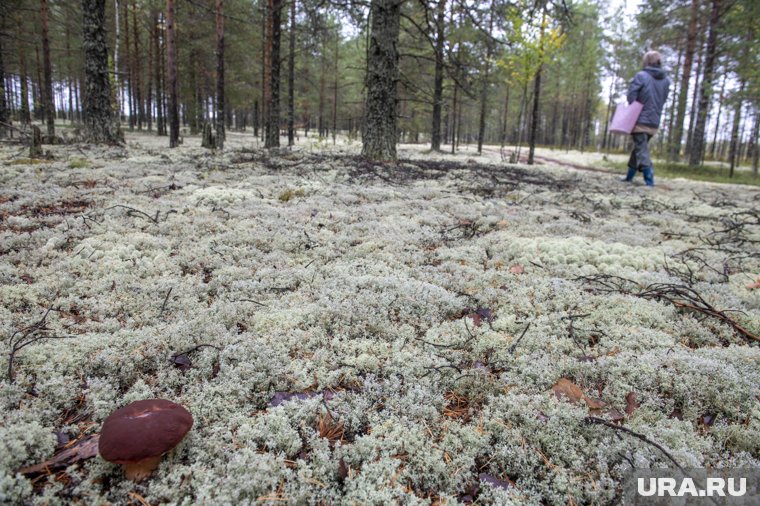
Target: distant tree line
490, 73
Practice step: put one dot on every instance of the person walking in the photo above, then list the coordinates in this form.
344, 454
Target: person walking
650, 87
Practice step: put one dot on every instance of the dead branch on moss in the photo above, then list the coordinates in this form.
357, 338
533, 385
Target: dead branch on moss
26, 336
680, 296
592, 420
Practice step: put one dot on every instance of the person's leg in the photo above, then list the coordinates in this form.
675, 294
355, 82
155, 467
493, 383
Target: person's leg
632, 165
643, 160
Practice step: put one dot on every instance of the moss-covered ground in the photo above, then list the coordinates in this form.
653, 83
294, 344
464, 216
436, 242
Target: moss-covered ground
359, 333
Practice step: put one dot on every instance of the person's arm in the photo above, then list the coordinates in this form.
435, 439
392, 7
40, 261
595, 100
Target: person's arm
633, 89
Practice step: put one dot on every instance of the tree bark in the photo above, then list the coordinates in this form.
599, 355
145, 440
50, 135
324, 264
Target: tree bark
171, 65
291, 74
138, 84
335, 91
272, 139
691, 41
435, 131
3, 106
100, 125
48, 70
24, 111
698, 146
220, 74
484, 84
380, 135
755, 145
735, 130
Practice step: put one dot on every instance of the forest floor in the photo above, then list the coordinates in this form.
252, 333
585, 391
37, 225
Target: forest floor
443, 330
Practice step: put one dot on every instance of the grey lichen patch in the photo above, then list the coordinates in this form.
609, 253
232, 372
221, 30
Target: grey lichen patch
392, 304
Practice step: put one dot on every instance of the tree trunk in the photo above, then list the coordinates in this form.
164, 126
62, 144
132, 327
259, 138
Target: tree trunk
698, 147
335, 91
171, 65
755, 146
140, 105
48, 69
435, 131
273, 107
99, 122
323, 69
3, 106
292, 74
24, 110
735, 130
220, 74
116, 69
721, 99
691, 40
379, 141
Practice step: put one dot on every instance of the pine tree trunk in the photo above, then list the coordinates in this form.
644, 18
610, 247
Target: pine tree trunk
698, 147
160, 124
291, 74
484, 84
140, 106
220, 74
3, 106
735, 130
171, 65
24, 110
721, 99
48, 69
273, 107
99, 122
335, 92
380, 135
435, 131
691, 40
755, 145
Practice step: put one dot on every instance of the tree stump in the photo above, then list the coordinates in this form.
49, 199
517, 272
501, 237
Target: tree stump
209, 140
35, 142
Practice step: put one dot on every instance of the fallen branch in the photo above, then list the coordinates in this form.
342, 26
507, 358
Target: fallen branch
26, 336
598, 421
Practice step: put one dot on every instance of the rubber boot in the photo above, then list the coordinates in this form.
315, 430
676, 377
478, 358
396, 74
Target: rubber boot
649, 176
629, 177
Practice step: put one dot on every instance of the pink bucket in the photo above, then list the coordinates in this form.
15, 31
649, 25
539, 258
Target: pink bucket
625, 117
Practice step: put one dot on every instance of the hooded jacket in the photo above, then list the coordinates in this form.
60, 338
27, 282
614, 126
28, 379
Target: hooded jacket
650, 87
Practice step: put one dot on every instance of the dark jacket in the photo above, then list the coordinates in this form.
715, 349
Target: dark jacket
650, 87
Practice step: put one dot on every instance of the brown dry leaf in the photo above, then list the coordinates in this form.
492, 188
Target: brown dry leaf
631, 404
565, 387
516, 269
594, 404
83, 449
502, 224
752, 286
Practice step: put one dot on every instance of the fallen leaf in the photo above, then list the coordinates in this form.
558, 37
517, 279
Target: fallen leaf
282, 397
707, 419
565, 387
516, 269
594, 404
83, 449
631, 404
182, 362
750, 286
26, 278
494, 481
502, 224
615, 416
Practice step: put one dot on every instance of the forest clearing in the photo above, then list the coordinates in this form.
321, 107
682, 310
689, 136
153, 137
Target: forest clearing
344, 331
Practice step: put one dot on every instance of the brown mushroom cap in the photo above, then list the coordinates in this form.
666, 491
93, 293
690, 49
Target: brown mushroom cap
143, 431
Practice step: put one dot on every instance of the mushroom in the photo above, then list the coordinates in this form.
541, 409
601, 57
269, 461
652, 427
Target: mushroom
138, 434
